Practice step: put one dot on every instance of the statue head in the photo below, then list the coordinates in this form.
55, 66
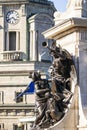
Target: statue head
36, 76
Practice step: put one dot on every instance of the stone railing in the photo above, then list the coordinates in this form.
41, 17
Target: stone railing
11, 56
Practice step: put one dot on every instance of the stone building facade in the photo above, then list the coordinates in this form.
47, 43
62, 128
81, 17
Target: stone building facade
70, 31
21, 25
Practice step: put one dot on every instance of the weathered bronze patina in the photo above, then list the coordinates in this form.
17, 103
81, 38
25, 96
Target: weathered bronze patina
52, 101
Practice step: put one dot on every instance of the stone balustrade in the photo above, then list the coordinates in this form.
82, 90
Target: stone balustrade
11, 56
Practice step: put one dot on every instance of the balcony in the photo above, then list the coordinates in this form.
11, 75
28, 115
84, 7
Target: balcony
12, 56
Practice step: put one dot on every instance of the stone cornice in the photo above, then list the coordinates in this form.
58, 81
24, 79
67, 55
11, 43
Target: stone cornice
17, 106
65, 27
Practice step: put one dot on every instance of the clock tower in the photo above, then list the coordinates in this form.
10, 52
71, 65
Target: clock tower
17, 28
13, 30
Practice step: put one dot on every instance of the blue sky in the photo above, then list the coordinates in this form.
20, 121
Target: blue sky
60, 4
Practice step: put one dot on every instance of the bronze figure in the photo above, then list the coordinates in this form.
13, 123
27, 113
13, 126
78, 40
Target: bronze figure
52, 101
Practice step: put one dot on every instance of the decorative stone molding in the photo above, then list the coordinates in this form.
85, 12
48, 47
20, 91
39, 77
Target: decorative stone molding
65, 28
78, 3
75, 8
74, 3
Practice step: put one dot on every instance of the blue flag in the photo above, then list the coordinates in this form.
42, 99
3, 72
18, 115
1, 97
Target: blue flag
29, 90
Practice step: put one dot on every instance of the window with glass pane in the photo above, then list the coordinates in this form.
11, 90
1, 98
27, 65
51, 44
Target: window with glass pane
19, 99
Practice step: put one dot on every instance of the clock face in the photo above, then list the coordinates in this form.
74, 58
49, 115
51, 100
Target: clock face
12, 17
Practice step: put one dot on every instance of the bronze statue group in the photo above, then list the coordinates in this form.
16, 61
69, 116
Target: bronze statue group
53, 95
